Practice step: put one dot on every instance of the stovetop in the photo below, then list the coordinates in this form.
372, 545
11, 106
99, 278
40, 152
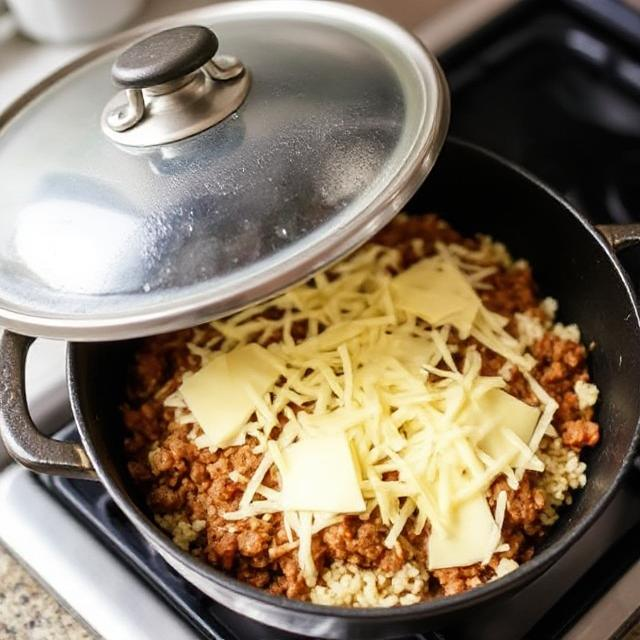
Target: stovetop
555, 86
557, 92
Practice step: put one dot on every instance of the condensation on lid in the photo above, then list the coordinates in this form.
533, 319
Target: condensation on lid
344, 119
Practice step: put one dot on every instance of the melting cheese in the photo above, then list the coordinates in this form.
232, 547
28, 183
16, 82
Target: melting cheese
471, 529
320, 475
222, 395
497, 410
434, 290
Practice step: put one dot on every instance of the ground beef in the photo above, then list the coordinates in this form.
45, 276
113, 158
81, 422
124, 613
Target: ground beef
580, 433
362, 543
523, 505
459, 579
513, 291
184, 483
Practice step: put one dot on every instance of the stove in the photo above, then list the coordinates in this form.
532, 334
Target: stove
553, 85
557, 92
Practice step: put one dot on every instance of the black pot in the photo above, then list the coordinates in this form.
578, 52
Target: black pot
477, 192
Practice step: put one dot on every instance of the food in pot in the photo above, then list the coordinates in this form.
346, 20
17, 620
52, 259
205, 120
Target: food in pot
405, 425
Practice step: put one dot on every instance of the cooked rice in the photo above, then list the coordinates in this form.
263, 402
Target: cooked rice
348, 585
587, 393
564, 471
567, 332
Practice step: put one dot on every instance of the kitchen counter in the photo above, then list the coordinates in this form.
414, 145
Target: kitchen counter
29, 612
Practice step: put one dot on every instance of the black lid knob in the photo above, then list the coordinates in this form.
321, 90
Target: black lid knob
164, 56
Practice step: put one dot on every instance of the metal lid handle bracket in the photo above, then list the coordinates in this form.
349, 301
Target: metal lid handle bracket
174, 86
21, 436
128, 115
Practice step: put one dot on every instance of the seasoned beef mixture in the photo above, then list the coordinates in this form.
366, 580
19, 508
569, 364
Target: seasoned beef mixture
189, 488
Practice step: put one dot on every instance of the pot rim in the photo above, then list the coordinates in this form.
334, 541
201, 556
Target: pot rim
431, 608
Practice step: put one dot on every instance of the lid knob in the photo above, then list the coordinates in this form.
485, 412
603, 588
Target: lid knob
178, 62
164, 56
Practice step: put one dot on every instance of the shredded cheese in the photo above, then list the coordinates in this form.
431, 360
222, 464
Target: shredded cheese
385, 418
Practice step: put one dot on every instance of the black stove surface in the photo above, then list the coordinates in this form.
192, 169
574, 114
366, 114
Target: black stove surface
555, 87
558, 93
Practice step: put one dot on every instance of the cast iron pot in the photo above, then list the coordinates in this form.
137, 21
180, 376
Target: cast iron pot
477, 192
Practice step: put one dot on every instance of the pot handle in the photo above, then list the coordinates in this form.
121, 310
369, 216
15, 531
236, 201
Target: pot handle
24, 442
620, 236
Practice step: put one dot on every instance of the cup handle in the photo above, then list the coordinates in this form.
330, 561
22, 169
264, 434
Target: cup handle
21, 437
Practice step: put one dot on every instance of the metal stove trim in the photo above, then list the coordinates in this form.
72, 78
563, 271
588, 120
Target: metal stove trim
98, 592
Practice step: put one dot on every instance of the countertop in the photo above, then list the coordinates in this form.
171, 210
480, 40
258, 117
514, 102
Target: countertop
28, 611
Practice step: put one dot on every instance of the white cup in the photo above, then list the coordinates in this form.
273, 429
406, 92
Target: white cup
66, 21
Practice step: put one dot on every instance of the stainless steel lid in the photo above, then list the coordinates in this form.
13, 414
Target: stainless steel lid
207, 184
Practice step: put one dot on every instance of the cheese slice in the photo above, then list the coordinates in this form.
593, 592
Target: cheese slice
320, 475
413, 352
470, 529
331, 338
428, 303
437, 292
497, 410
338, 420
222, 394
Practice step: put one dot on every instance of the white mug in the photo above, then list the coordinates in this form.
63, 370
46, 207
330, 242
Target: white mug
66, 21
